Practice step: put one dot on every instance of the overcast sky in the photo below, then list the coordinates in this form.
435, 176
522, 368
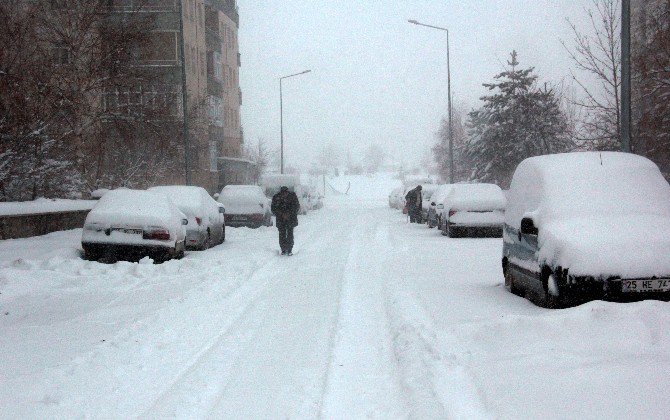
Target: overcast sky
378, 79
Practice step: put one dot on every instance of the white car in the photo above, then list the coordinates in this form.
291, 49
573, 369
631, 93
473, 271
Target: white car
132, 224
475, 210
583, 226
206, 225
272, 183
395, 199
436, 206
246, 205
427, 191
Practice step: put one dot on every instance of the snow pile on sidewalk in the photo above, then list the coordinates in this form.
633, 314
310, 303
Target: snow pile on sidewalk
44, 205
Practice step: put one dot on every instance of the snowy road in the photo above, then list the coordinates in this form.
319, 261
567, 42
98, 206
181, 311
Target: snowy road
372, 317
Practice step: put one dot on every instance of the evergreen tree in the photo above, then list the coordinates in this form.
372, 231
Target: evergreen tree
518, 120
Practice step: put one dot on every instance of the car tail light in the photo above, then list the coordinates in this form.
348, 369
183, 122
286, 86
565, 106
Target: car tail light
198, 220
452, 212
156, 234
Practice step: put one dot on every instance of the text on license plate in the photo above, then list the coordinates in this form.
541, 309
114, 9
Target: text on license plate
655, 285
129, 231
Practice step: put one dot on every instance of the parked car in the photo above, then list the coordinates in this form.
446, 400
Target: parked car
395, 198
585, 226
427, 191
316, 198
246, 205
474, 210
436, 206
206, 226
271, 183
132, 224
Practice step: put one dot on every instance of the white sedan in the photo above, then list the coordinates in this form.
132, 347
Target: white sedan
132, 224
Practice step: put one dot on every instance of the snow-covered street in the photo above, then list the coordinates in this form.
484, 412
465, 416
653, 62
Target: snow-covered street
373, 317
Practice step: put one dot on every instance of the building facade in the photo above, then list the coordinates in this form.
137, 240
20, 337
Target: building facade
206, 30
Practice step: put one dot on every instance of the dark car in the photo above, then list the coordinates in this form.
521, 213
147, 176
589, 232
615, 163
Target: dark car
585, 226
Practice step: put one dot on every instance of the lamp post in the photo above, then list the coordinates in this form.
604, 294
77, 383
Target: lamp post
626, 120
449, 111
281, 113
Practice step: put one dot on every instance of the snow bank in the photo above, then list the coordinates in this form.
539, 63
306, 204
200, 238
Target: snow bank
44, 205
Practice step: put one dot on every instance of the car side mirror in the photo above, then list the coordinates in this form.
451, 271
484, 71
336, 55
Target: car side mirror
184, 222
222, 210
528, 226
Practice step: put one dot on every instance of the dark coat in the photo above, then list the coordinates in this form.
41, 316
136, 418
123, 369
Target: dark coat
414, 200
286, 206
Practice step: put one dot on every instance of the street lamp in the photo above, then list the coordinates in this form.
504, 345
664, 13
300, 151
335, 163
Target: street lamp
451, 126
281, 113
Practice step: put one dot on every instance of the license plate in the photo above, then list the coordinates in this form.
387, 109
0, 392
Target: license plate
655, 285
129, 231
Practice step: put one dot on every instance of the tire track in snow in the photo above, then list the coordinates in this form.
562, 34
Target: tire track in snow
192, 390
363, 379
436, 381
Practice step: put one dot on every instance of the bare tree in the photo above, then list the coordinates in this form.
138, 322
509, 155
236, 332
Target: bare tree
652, 78
597, 54
261, 155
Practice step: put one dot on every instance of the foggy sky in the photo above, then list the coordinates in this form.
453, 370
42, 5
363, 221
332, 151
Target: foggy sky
378, 79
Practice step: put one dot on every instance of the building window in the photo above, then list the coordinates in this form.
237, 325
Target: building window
218, 72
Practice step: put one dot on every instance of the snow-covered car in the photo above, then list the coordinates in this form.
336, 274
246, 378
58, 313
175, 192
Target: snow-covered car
584, 226
436, 206
474, 210
395, 198
427, 192
205, 227
132, 224
272, 183
246, 205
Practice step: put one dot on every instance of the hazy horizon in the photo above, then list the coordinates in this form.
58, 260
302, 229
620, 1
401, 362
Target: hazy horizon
377, 78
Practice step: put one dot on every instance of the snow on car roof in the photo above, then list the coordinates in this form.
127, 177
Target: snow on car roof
475, 197
588, 183
133, 203
245, 193
187, 198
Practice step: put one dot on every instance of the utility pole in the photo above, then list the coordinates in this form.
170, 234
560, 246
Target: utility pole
450, 134
281, 115
626, 91
184, 97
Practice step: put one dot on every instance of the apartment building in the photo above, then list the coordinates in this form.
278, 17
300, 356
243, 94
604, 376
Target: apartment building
223, 87
208, 31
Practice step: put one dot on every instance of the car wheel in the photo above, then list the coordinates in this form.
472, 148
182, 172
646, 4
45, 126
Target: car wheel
510, 284
451, 232
551, 298
208, 242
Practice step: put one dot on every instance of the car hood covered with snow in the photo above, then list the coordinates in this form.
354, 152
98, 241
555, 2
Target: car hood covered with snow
636, 246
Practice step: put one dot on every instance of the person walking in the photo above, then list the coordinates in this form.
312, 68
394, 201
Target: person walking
414, 202
285, 207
